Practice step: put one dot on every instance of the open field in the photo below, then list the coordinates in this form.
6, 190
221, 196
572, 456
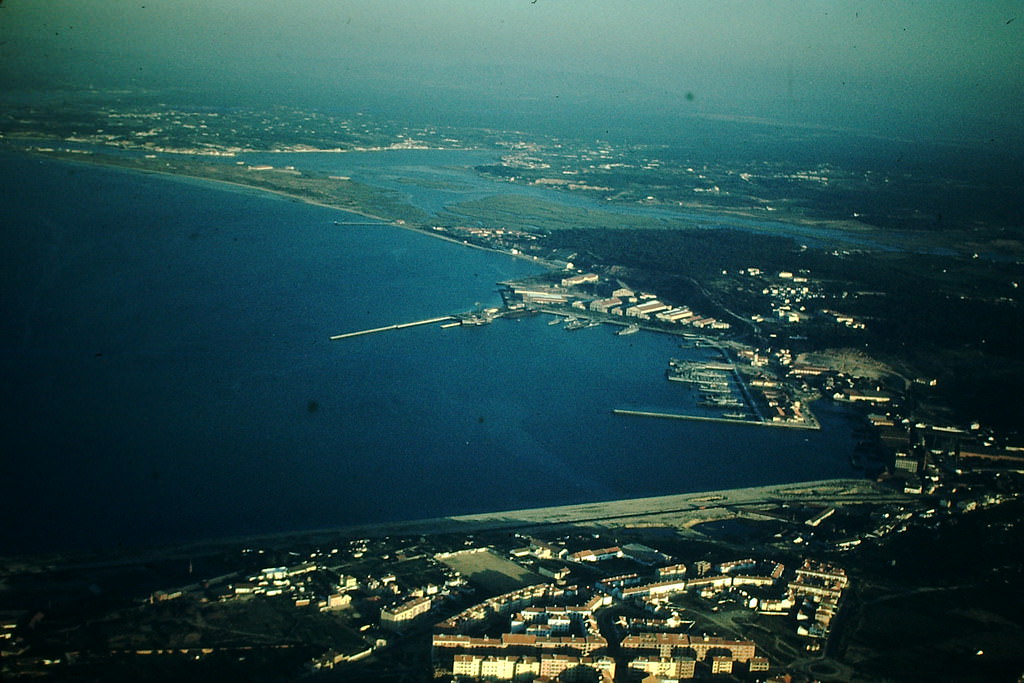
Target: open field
491, 572
849, 361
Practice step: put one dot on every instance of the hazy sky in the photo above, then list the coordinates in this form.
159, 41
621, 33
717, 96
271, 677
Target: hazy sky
932, 68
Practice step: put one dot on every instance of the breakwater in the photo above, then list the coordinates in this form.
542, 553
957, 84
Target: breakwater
399, 326
726, 420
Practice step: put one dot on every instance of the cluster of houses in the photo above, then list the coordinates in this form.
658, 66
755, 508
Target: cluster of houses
791, 295
816, 591
549, 632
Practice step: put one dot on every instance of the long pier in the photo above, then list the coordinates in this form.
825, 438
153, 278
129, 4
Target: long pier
399, 326
724, 420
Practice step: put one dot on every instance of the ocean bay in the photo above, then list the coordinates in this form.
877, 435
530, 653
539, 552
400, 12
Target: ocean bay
169, 376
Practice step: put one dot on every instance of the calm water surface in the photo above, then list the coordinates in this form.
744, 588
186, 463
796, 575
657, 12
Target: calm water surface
168, 376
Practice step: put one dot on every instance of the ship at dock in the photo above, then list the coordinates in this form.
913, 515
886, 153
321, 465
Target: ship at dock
715, 401
632, 328
711, 381
478, 317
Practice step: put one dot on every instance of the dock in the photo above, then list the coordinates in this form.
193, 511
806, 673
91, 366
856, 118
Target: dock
724, 420
399, 326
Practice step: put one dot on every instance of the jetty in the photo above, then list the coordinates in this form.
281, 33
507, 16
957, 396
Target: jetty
399, 326
723, 420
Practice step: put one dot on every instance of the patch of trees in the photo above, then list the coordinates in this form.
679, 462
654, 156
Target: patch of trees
700, 254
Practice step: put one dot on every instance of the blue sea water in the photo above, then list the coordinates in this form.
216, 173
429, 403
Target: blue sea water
167, 376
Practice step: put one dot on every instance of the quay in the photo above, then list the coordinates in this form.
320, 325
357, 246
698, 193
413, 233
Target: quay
725, 420
399, 326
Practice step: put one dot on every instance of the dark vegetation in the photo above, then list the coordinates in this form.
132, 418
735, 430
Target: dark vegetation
701, 254
940, 603
956, 319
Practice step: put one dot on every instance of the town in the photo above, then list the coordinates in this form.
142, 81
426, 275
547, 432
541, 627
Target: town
777, 583
809, 581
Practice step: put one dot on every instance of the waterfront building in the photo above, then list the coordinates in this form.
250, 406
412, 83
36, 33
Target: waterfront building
581, 279
646, 309
532, 296
605, 305
674, 315
625, 294
866, 396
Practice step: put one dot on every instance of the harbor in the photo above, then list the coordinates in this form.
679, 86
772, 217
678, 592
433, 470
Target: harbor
717, 386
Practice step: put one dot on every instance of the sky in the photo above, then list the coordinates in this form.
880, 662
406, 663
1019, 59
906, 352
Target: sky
946, 70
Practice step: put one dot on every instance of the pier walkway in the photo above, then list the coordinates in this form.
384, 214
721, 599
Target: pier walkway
724, 420
399, 326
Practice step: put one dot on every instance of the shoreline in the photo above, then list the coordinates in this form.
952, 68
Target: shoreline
841, 227
849, 232
458, 522
680, 510
91, 160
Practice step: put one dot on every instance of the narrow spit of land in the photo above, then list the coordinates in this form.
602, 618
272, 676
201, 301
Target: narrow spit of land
676, 509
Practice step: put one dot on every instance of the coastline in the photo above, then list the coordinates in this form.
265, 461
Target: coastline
91, 160
489, 520
680, 511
